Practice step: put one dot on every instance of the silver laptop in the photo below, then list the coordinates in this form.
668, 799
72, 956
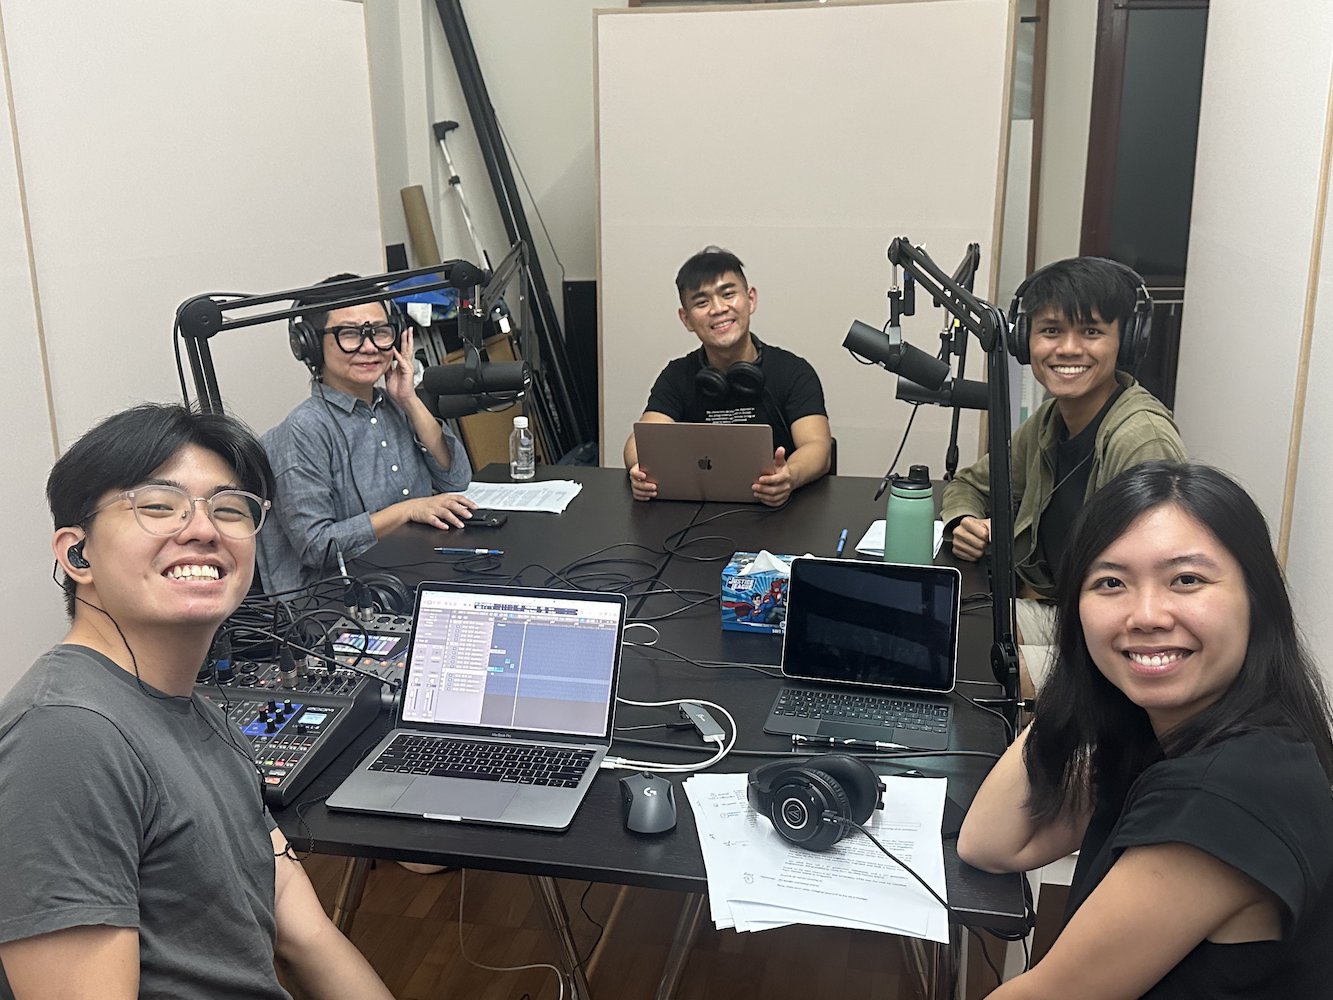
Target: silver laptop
505, 711
870, 651
705, 461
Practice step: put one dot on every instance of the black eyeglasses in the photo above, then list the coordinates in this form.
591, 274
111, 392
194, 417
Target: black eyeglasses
350, 338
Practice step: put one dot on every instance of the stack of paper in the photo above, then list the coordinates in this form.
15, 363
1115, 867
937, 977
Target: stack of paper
757, 880
872, 542
549, 496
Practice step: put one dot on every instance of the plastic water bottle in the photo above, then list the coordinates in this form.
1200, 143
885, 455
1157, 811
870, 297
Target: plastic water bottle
909, 521
522, 456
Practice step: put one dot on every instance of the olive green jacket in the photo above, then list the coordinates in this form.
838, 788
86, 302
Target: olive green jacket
1137, 429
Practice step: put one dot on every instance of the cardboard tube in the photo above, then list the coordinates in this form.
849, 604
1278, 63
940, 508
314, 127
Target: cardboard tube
420, 232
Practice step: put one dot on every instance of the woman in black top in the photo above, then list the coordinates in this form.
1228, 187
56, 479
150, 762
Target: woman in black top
1183, 745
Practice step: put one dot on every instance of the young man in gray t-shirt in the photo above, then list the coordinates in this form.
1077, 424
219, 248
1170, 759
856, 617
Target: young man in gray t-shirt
137, 859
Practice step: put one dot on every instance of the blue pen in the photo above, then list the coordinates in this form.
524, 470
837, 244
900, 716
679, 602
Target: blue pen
445, 551
842, 543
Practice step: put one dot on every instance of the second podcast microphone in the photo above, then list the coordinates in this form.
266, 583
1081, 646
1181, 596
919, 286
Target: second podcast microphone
962, 393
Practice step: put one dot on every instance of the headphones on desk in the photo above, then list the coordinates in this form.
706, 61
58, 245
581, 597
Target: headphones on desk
389, 593
810, 801
307, 342
744, 379
1134, 331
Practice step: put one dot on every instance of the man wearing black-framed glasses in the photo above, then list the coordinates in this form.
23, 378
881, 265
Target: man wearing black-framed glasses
358, 458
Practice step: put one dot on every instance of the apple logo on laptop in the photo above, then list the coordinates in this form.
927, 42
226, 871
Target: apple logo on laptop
705, 463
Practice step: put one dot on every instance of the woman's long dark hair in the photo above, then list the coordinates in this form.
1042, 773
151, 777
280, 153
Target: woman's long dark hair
1087, 738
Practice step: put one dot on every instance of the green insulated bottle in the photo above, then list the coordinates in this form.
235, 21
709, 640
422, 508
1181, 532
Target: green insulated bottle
909, 521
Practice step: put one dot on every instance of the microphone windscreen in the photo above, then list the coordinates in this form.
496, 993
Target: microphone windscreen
970, 395
504, 376
447, 380
453, 407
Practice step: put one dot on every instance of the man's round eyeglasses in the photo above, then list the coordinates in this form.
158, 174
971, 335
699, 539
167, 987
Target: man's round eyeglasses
166, 510
350, 338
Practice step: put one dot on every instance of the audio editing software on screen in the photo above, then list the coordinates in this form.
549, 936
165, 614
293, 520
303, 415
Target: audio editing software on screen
538, 664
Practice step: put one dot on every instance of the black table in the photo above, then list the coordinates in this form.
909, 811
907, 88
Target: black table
597, 847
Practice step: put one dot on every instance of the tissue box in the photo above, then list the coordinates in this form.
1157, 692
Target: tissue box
755, 602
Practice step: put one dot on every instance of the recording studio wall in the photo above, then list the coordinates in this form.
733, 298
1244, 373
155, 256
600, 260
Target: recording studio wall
817, 135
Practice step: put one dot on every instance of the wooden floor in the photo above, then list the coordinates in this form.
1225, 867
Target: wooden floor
408, 928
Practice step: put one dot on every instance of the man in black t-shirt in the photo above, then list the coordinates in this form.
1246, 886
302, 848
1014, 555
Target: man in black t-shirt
734, 378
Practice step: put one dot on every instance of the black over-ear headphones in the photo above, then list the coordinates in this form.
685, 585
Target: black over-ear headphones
76, 557
744, 379
307, 343
1134, 331
390, 594
810, 800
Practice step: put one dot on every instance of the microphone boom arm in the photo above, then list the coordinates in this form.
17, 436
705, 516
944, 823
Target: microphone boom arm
988, 324
202, 317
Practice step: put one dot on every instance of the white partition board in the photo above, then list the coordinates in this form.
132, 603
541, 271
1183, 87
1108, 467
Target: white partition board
172, 147
804, 139
34, 610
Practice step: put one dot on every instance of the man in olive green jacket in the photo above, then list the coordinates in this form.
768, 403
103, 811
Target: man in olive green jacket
1097, 423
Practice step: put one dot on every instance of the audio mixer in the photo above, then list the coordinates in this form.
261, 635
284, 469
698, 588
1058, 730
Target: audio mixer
298, 719
295, 724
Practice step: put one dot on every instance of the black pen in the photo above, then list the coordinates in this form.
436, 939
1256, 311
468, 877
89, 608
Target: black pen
829, 741
446, 551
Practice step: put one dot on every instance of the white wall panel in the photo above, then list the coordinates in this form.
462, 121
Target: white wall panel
814, 137
1261, 137
172, 148
34, 609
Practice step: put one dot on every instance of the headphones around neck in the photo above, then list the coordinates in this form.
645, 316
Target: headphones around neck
744, 379
307, 342
810, 800
1134, 331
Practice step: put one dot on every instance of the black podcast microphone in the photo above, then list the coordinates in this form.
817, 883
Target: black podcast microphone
452, 407
897, 355
962, 393
487, 378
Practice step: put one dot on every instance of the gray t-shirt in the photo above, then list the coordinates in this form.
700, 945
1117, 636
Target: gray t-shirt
122, 809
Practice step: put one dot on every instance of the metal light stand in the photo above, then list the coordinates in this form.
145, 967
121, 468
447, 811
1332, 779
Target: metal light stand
442, 130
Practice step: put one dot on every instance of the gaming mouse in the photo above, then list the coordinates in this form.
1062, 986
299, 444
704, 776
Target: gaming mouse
650, 803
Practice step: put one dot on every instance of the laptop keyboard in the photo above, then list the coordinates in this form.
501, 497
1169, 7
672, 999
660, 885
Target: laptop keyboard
863, 709
447, 757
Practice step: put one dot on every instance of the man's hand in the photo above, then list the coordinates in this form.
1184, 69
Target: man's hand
400, 380
640, 485
444, 510
971, 538
774, 488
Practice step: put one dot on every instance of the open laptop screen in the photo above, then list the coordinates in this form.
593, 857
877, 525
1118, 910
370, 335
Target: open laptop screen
873, 623
541, 661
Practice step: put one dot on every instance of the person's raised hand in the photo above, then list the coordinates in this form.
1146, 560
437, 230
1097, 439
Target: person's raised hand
400, 379
773, 489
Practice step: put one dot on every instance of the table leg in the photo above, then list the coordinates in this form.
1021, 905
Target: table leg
687, 928
935, 965
557, 922
353, 884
